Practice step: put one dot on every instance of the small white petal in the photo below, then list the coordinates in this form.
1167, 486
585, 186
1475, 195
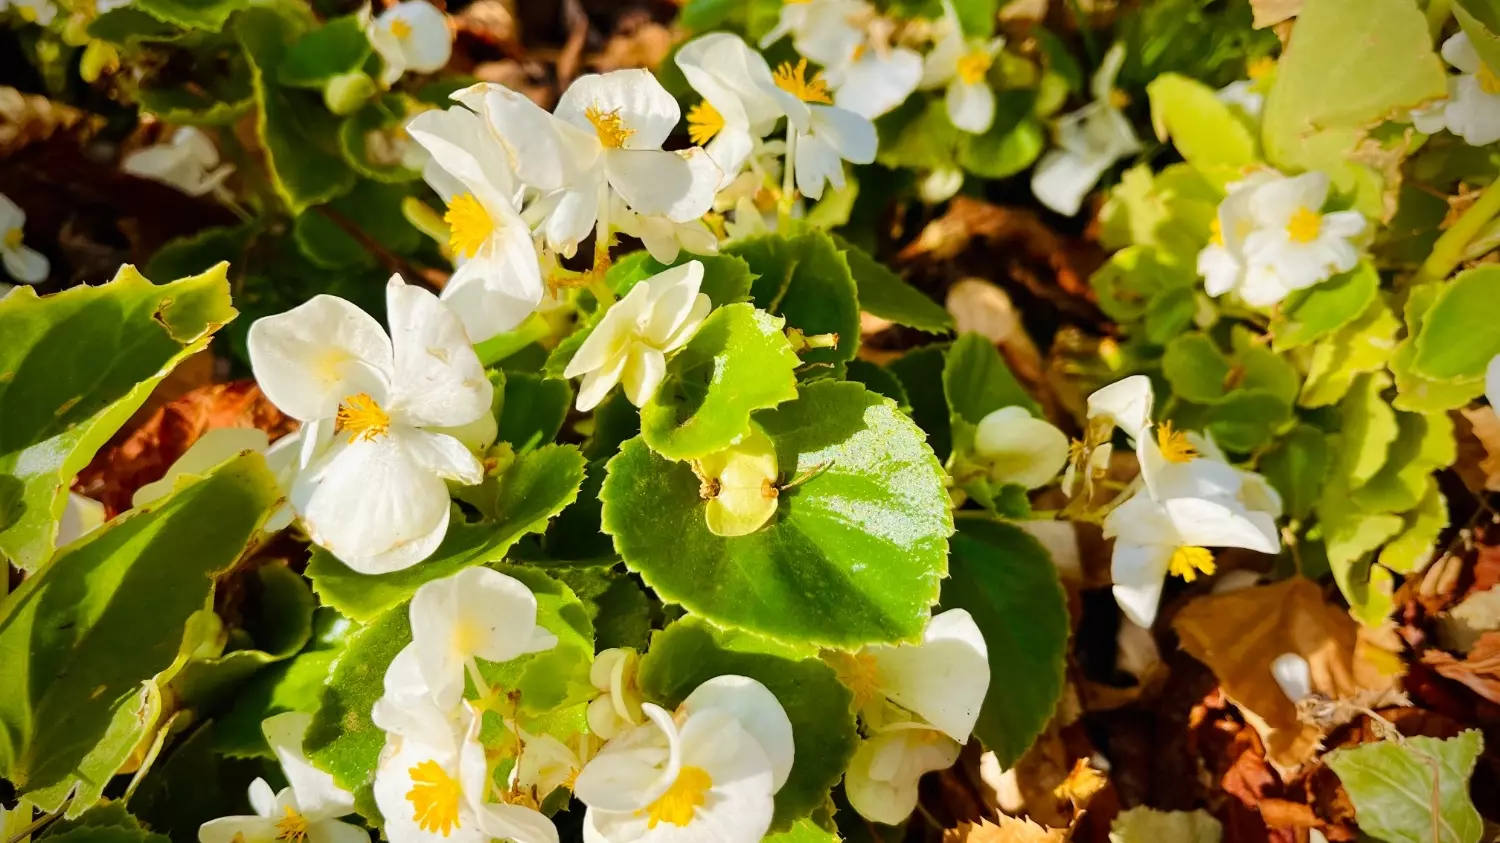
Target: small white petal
375, 507
318, 797
437, 379
308, 359
944, 679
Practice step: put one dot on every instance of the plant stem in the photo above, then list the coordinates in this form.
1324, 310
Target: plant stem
788, 177
1448, 251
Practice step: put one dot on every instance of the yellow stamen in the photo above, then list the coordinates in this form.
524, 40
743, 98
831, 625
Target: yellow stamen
794, 81
1188, 561
794, 2
859, 52
1174, 444
1260, 68
12, 239
681, 800
704, 121
1118, 99
974, 65
1488, 81
860, 673
292, 827
469, 225
609, 126
434, 796
1304, 226
362, 417
401, 29
1216, 233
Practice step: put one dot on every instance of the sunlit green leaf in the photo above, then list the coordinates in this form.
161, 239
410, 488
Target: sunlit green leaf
1397, 786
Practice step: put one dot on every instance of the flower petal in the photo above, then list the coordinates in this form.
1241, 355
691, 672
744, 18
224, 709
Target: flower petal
1138, 572
376, 508
878, 81
943, 679
308, 359
1126, 403
635, 768
757, 711
643, 106
212, 448
438, 379
318, 796
881, 782
26, 264
677, 185
463, 145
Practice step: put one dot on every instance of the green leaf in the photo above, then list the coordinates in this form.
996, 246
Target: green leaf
1150, 825
1351, 535
534, 410
853, 554
342, 739
738, 362
1423, 444
299, 135
108, 614
366, 139
918, 135
618, 608
1480, 20
337, 47
1169, 313
192, 14
921, 374
1369, 427
803, 831
1414, 392
1138, 279
201, 251
1460, 335
1398, 786
726, 279
1362, 346
105, 823
128, 25
1006, 580
805, 278
1416, 544
977, 382
690, 652
1196, 369
1013, 142
879, 380
73, 367
1202, 127
884, 294
533, 489
1312, 314
1171, 211
1295, 467
1247, 419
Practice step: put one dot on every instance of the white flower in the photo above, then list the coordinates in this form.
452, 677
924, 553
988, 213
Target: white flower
826, 31
1492, 383
1089, 141
307, 810
188, 161
80, 516
739, 105
1245, 95
882, 778
875, 78
1293, 675
286, 458
1472, 109
820, 137
606, 134
708, 774
498, 280
411, 35
1294, 245
662, 237
631, 342
1020, 448
23, 264
1223, 262
942, 680
475, 613
961, 65
545, 764
432, 781
377, 500
31, 11
618, 706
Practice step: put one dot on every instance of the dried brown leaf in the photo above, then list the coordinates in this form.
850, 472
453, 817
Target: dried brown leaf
1008, 830
1485, 425
28, 118
1271, 12
1082, 783
1480, 670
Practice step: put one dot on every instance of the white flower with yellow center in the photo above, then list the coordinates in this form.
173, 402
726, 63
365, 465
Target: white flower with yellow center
1472, 109
498, 280
1090, 140
188, 161
710, 773
1294, 244
632, 340
1017, 447
545, 763
739, 105
883, 775
1223, 263
411, 35
23, 264
377, 499
305, 812
820, 136
432, 783
961, 65
826, 31
618, 706
286, 459
32, 11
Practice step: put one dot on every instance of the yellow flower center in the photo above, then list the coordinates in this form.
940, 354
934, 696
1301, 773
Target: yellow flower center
1188, 561
974, 65
469, 225
1118, 99
1216, 233
704, 121
12, 239
1304, 226
677, 805
794, 81
1488, 81
292, 827
401, 29
434, 798
1174, 444
860, 673
362, 417
467, 636
609, 126
1260, 68
859, 52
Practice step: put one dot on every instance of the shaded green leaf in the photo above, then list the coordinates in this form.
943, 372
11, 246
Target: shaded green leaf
1406, 791
533, 410
805, 279
1312, 314
1459, 334
884, 294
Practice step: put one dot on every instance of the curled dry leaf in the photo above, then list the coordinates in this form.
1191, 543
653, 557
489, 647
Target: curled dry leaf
27, 118
1272, 12
1081, 785
1461, 628
1485, 425
1008, 830
1480, 670
1239, 634
982, 307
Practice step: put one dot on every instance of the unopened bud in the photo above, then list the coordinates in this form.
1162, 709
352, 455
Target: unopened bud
347, 92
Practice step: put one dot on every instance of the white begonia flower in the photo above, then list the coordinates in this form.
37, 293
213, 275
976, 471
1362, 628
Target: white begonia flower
1020, 448
708, 774
662, 237
1245, 95
1294, 245
1472, 109
498, 279
32, 11
961, 65
286, 459
431, 783
475, 613
24, 264
942, 680
826, 31
820, 137
875, 78
306, 810
411, 35
631, 342
1090, 140
739, 105
545, 764
378, 499
1223, 263
81, 515
1293, 675
618, 706
882, 778
188, 161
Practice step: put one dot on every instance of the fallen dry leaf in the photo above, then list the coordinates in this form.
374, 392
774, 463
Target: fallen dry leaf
1271, 12
981, 307
27, 118
1082, 783
1008, 830
1239, 634
1485, 425
1461, 627
1480, 670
